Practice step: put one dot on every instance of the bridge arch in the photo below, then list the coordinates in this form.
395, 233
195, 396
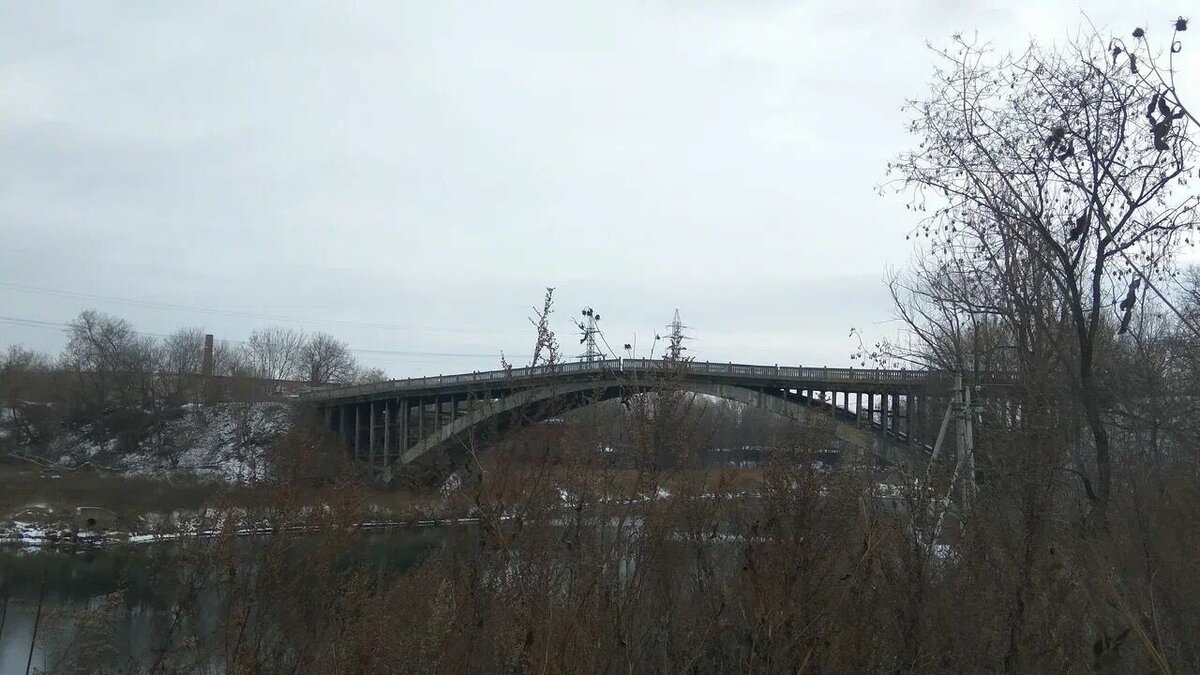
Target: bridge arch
581, 394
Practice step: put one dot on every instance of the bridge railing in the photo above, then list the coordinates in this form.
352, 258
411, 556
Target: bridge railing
798, 373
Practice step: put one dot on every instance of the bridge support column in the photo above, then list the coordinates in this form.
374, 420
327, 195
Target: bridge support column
371, 429
883, 415
344, 425
910, 411
387, 434
420, 419
402, 429
357, 430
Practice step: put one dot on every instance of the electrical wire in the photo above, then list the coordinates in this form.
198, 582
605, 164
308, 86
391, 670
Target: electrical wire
25, 288
36, 323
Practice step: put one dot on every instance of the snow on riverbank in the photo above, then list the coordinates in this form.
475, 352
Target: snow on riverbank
223, 441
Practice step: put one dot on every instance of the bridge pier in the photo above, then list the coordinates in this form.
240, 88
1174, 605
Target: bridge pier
910, 416
403, 428
357, 431
372, 432
387, 434
885, 413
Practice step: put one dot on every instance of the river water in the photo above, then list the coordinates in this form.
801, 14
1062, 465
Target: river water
69, 582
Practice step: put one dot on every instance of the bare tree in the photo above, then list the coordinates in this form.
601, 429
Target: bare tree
182, 352
16, 367
114, 364
325, 359
361, 375
230, 360
25, 376
545, 349
275, 353
1050, 182
180, 357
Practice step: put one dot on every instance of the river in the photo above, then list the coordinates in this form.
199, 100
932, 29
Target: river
70, 582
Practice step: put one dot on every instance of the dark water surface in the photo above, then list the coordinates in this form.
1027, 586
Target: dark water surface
69, 582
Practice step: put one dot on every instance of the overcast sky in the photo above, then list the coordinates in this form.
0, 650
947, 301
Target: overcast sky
409, 176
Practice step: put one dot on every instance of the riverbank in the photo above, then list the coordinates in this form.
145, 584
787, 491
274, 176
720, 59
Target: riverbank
50, 508
42, 508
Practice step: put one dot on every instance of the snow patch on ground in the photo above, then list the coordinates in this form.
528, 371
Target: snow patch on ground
453, 484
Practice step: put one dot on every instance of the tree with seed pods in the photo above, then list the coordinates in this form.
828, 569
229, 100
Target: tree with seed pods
1049, 185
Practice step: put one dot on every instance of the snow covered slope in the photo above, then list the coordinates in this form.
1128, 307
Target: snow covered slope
226, 441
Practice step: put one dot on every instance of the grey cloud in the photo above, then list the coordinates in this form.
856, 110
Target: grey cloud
437, 164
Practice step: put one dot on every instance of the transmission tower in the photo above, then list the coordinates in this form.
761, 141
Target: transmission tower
675, 348
588, 333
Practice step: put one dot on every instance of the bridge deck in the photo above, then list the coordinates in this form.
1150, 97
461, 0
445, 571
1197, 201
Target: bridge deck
799, 376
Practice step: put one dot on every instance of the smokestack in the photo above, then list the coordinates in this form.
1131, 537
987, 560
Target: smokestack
206, 367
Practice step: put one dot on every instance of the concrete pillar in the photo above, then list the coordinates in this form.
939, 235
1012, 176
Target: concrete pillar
357, 431
344, 424
915, 401
420, 419
371, 435
387, 433
883, 414
402, 446
909, 414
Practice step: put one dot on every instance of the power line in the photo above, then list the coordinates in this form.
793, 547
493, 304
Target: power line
244, 314
36, 323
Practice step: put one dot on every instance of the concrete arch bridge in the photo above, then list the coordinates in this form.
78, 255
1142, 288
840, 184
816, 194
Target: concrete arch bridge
892, 414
